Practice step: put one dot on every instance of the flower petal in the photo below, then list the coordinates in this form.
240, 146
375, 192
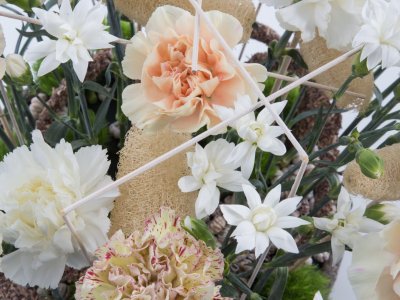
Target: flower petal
270, 144
245, 228
248, 161
274, 196
18, 267
48, 64
338, 249
234, 214
245, 242
369, 225
290, 222
265, 116
287, 206
207, 200
282, 240
253, 198
188, 184
262, 243
325, 224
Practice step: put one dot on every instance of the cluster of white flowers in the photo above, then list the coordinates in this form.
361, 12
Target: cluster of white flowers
36, 184
372, 23
216, 166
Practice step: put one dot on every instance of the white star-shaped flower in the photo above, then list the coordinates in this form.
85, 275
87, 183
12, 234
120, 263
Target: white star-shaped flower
380, 33
255, 132
263, 222
347, 224
76, 33
211, 168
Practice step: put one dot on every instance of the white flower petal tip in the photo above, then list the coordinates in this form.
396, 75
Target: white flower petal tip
261, 223
36, 184
75, 32
318, 296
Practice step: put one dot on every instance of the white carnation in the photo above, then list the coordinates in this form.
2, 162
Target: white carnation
36, 184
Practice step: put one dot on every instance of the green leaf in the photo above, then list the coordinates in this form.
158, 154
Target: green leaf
101, 116
237, 282
304, 251
262, 280
378, 95
97, 88
55, 133
200, 230
33, 34
296, 56
313, 112
278, 288
228, 290
6, 142
76, 144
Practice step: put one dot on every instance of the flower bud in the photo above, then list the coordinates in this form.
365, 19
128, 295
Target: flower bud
370, 163
18, 69
360, 68
199, 230
384, 212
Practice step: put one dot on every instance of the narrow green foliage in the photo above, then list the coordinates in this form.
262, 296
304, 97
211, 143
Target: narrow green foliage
301, 284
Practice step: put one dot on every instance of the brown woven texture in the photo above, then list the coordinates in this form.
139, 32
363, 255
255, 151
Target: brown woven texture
141, 10
316, 54
145, 194
385, 188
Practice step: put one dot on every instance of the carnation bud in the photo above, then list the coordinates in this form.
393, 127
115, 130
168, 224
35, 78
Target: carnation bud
255, 296
385, 212
199, 230
360, 68
370, 163
18, 69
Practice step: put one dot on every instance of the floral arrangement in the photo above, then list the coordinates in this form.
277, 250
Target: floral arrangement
141, 158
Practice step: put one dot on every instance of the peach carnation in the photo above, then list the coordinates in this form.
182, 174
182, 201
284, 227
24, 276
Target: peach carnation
170, 93
165, 262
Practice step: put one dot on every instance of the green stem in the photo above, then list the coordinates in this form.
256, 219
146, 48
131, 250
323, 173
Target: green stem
12, 114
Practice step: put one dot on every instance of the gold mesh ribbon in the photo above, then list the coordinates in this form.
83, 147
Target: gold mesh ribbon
316, 54
145, 194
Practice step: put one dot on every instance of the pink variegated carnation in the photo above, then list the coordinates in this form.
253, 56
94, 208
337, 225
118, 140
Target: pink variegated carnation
170, 93
165, 262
